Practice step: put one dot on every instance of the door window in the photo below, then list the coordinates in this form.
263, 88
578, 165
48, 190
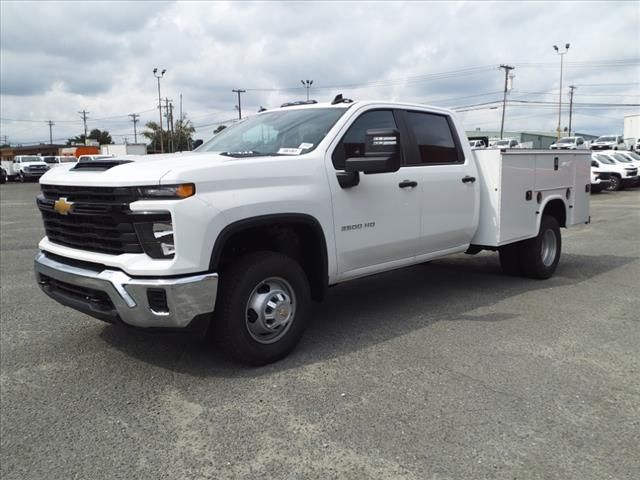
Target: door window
352, 144
434, 138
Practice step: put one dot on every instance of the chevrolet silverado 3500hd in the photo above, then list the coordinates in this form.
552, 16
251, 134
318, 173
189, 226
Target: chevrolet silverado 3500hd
243, 233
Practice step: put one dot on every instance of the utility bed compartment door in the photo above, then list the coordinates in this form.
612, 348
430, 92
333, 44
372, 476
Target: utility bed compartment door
517, 209
554, 171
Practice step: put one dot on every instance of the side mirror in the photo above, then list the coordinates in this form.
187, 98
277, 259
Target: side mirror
381, 152
594, 163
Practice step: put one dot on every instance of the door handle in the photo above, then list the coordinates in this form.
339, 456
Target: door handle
408, 184
468, 179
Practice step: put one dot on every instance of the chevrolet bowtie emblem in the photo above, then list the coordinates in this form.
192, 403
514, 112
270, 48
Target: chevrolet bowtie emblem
62, 206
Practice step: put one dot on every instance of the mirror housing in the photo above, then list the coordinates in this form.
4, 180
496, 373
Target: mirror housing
381, 152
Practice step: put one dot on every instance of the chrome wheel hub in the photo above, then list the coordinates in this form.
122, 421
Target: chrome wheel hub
270, 310
549, 248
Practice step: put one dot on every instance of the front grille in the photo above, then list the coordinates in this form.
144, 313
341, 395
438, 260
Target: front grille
604, 176
99, 220
97, 298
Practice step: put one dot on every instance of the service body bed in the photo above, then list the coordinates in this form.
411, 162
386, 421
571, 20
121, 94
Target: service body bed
517, 185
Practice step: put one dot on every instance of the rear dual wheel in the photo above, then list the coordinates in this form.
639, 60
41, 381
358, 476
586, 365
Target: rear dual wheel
537, 257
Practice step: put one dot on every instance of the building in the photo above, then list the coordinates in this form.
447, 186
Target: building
7, 153
535, 139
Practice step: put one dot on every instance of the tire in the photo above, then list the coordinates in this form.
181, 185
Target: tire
540, 255
614, 183
510, 259
246, 322
21, 178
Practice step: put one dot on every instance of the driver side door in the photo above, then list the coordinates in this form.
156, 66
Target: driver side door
377, 221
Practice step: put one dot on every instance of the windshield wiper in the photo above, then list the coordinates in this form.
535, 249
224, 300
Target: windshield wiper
249, 153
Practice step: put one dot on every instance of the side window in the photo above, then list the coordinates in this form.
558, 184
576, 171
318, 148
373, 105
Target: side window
435, 141
580, 141
352, 144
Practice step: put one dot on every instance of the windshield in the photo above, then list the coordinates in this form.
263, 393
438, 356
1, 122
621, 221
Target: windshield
606, 139
605, 159
31, 159
567, 140
283, 132
49, 159
621, 158
633, 155
68, 159
502, 142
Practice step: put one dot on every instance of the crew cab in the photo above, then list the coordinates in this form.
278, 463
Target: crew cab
609, 142
240, 235
569, 143
25, 167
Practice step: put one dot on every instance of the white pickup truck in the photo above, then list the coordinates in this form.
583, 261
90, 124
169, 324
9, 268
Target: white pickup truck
242, 234
25, 167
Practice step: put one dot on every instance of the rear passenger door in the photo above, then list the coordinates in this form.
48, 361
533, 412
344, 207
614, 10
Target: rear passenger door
448, 182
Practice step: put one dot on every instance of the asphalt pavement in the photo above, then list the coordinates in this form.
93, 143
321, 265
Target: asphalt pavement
448, 370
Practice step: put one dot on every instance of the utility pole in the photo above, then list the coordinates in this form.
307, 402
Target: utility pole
238, 91
51, 124
181, 118
134, 119
571, 89
169, 132
507, 69
173, 133
84, 114
307, 84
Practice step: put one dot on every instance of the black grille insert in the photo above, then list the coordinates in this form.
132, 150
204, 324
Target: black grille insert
97, 298
98, 220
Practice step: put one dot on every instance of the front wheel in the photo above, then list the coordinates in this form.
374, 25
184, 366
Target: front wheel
614, 184
21, 178
262, 307
541, 254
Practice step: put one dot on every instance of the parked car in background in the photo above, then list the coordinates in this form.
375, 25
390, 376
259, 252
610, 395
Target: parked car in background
56, 161
609, 142
506, 143
477, 144
90, 158
25, 167
600, 177
3, 175
621, 175
569, 143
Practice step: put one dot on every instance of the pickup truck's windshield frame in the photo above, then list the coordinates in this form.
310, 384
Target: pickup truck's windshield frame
281, 132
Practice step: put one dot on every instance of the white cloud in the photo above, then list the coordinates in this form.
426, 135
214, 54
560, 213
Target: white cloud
59, 58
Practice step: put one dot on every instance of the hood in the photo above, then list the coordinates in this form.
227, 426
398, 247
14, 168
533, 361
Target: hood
137, 170
34, 164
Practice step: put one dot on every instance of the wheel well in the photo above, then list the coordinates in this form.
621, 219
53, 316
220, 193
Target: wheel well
297, 236
555, 208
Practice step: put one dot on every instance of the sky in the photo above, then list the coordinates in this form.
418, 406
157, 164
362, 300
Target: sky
59, 58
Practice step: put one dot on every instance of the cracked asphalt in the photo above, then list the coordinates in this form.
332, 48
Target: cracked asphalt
448, 370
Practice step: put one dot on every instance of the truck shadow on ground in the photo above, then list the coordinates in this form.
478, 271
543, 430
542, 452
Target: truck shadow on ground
362, 313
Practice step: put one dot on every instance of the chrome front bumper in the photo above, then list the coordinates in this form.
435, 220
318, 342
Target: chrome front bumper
113, 296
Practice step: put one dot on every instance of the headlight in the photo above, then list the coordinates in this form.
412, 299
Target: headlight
156, 239
183, 190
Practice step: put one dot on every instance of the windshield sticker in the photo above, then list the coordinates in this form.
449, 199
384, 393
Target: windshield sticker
305, 146
290, 151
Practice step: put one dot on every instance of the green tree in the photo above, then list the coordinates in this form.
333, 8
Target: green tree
182, 136
101, 136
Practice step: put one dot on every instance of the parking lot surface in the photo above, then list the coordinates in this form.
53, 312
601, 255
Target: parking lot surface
448, 370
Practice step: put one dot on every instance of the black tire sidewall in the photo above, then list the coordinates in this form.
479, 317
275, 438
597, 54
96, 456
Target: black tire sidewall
237, 283
531, 251
614, 184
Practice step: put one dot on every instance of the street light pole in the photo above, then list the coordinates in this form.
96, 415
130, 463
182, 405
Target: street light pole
159, 76
562, 54
307, 84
